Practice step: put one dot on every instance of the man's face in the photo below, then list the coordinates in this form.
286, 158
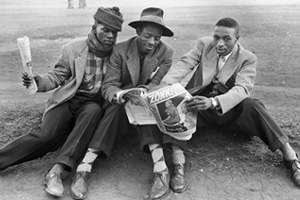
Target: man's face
148, 38
106, 36
225, 39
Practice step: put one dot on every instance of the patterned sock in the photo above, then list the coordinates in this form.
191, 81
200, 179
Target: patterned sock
178, 155
88, 160
159, 164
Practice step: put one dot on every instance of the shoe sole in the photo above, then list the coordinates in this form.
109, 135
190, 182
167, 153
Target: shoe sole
164, 197
77, 198
53, 194
180, 190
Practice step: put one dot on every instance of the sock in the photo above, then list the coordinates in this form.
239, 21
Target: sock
57, 169
159, 163
88, 160
178, 155
288, 152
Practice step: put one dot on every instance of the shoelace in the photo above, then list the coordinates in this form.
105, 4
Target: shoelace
297, 164
178, 170
56, 178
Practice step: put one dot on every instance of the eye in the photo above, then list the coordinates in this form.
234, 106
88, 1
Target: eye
216, 37
157, 38
227, 39
105, 30
147, 35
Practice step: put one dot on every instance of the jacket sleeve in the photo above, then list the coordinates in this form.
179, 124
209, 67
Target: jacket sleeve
183, 67
244, 83
57, 76
112, 79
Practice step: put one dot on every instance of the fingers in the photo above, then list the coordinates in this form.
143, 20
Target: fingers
26, 79
198, 102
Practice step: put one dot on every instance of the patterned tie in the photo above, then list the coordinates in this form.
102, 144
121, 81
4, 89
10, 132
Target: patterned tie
221, 62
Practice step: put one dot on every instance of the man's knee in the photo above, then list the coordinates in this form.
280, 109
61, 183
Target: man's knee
250, 103
93, 109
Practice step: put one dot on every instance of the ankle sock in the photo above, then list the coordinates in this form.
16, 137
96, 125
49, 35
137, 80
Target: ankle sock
159, 163
178, 155
88, 160
288, 152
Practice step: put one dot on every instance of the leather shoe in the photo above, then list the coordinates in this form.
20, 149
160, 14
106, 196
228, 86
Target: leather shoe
178, 182
160, 186
79, 187
294, 166
54, 185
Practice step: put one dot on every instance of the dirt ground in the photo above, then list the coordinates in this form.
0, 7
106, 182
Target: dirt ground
221, 164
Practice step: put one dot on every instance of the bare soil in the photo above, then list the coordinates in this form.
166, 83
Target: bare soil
221, 164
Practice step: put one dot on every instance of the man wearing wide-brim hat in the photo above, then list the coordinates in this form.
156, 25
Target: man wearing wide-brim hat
141, 61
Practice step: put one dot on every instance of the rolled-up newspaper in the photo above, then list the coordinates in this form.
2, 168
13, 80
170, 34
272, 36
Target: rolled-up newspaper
24, 47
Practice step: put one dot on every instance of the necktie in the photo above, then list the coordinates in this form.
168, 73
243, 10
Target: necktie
221, 63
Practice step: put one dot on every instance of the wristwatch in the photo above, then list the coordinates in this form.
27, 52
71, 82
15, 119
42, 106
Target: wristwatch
214, 103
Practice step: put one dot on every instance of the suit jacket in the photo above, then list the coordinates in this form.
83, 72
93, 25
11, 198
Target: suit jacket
236, 78
67, 74
123, 71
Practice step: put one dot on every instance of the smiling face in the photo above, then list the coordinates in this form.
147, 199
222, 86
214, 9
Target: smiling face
148, 37
106, 36
225, 39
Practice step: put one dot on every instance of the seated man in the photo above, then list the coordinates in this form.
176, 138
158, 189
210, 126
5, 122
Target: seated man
74, 110
141, 61
223, 78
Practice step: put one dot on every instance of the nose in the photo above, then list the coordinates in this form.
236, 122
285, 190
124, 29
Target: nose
151, 40
220, 42
110, 34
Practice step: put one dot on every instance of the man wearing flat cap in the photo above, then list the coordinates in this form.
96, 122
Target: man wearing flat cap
141, 61
74, 109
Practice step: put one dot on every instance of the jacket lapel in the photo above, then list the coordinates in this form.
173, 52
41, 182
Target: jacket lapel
149, 65
133, 62
229, 67
209, 66
80, 64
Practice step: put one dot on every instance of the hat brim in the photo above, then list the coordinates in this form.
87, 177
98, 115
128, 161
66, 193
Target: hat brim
166, 31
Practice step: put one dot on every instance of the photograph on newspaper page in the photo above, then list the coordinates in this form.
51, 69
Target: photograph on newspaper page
168, 106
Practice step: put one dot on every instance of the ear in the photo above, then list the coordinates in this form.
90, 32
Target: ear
138, 31
237, 37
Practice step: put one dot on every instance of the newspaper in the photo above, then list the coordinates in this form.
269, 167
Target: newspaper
168, 107
138, 112
24, 47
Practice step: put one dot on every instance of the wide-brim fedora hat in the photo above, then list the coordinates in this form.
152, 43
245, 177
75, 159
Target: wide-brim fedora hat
155, 16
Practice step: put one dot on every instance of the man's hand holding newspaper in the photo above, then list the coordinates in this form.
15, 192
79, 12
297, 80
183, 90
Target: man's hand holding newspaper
28, 80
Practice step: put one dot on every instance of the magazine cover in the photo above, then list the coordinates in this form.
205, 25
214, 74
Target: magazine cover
168, 106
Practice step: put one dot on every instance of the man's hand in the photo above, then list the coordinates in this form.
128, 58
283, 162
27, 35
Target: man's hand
134, 98
199, 103
27, 80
